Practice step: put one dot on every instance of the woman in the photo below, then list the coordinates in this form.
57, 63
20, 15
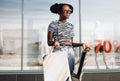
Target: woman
60, 32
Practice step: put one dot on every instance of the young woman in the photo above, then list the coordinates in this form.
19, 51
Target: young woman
60, 32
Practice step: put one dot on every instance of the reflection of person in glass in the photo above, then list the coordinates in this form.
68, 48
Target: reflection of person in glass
99, 34
60, 32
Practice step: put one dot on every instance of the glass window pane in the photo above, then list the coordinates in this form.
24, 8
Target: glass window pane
10, 35
100, 27
37, 17
31, 35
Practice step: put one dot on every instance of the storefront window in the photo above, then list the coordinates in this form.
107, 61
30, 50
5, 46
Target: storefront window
37, 17
100, 24
23, 32
10, 35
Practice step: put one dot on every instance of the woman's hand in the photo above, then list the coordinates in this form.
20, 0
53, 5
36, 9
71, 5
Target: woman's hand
85, 47
57, 45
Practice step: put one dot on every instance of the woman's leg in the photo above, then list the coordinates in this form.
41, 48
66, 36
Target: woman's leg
71, 61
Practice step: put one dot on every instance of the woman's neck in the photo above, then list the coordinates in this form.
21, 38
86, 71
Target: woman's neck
63, 20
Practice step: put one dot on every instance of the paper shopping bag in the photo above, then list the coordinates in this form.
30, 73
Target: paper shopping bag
56, 67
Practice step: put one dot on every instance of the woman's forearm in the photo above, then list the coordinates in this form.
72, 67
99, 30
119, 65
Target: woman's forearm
50, 39
77, 44
51, 43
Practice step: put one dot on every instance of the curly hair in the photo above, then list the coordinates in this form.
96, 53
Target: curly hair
56, 8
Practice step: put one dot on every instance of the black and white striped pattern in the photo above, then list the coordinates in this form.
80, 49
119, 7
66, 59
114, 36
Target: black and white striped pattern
62, 31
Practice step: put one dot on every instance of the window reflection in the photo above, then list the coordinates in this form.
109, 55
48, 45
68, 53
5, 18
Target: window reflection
102, 24
10, 35
36, 20
99, 24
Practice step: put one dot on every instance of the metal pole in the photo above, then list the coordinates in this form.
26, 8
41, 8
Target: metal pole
80, 24
22, 33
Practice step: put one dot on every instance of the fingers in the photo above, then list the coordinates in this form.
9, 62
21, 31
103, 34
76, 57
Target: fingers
86, 48
57, 45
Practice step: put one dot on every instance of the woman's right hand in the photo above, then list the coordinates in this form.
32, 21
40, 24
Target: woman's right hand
57, 45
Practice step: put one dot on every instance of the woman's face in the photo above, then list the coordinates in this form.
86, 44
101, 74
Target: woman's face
66, 11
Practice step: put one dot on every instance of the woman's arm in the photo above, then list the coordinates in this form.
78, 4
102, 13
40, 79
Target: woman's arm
50, 39
77, 44
84, 46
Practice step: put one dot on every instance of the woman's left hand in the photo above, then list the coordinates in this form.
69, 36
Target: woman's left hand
85, 47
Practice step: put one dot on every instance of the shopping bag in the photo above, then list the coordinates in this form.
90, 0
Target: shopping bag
56, 68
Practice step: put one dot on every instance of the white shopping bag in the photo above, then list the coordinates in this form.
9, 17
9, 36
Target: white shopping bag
56, 67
